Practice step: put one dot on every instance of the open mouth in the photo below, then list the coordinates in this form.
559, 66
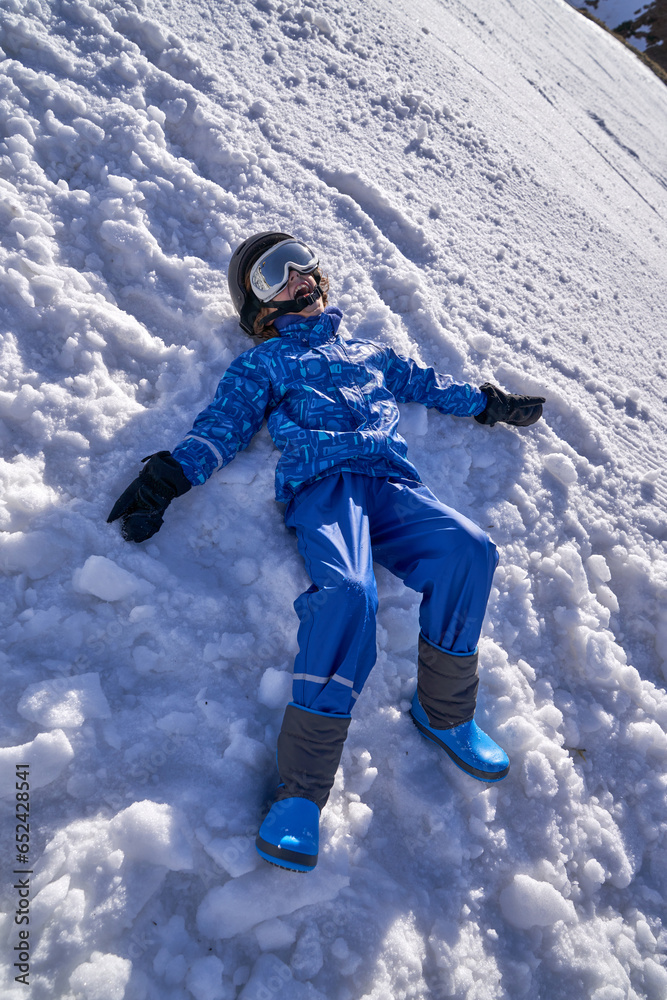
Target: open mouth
303, 288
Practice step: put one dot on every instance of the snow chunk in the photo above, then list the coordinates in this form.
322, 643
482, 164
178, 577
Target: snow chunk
275, 688
466, 965
360, 816
528, 903
594, 871
539, 778
130, 240
596, 652
401, 627
518, 735
561, 467
655, 977
178, 722
205, 978
247, 570
246, 750
274, 934
237, 855
64, 702
47, 899
102, 578
104, 977
259, 109
155, 832
652, 476
648, 737
119, 184
307, 957
33, 553
272, 978
232, 646
241, 904
598, 568
482, 342
48, 755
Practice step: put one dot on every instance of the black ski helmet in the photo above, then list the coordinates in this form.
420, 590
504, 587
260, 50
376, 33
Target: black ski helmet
246, 303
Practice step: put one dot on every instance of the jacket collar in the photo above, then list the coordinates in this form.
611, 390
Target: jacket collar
314, 330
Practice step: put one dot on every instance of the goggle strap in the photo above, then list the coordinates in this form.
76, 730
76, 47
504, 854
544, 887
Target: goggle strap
292, 305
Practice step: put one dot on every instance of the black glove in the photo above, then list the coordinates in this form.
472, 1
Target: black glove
506, 408
145, 500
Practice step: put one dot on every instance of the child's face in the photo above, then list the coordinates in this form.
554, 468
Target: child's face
300, 284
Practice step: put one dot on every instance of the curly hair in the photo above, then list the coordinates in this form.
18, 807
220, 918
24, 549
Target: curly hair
268, 332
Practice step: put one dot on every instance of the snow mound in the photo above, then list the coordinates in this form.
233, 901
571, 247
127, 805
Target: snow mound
527, 903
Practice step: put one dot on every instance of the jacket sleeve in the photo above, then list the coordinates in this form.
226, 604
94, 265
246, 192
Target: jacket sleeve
410, 383
229, 423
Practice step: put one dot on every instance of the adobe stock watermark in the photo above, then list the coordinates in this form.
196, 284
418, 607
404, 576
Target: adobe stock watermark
22, 873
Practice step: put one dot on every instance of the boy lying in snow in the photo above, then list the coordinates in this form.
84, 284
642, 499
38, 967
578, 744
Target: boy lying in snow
352, 496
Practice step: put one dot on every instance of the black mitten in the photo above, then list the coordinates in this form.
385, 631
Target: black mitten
145, 500
506, 408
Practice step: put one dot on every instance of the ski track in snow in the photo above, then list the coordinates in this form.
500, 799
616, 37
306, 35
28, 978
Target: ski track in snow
487, 187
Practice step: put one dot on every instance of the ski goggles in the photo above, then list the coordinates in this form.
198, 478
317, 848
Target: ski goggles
270, 273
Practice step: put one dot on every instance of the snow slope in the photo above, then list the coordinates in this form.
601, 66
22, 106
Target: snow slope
487, 187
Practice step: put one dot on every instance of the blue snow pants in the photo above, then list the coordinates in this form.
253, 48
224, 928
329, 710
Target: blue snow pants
345, 521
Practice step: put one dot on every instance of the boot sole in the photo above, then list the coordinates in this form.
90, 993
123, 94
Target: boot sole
280, 857
474, 772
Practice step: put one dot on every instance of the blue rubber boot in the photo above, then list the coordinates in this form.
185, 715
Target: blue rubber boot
289, 836
467, 745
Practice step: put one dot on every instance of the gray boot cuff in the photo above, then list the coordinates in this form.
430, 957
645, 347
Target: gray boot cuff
446, 685
309, 751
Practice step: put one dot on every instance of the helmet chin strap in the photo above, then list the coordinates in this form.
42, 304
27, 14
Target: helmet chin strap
292, 305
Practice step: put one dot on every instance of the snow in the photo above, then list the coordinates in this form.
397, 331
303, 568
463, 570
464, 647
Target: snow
104, 977
48, 753
273, 978
104, 579
204, 980
64, 702
562, 467
152, 832
274, 934
486, 187
275, 688
242, 903
527, 903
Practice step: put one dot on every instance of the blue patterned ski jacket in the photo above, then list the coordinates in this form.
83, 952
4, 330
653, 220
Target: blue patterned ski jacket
331, 406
